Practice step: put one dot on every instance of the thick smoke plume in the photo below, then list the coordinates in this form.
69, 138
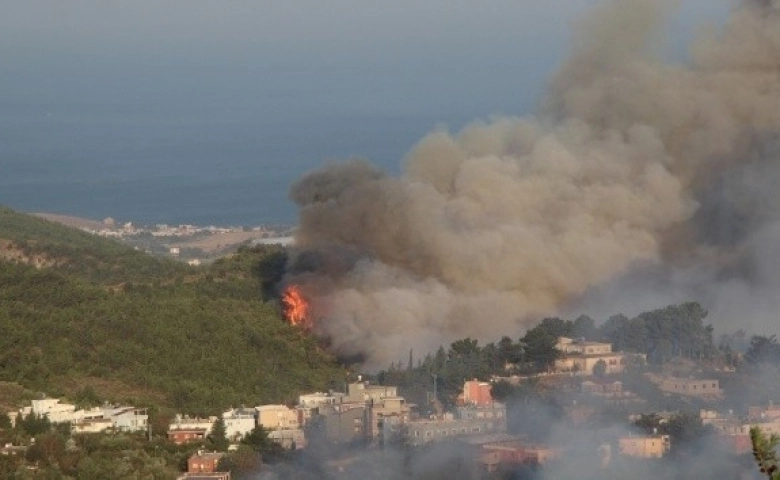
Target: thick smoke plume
634, 172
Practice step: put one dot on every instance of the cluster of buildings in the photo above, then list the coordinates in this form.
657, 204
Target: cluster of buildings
93, 420
368, 414
113, 230
365, 413
734, 431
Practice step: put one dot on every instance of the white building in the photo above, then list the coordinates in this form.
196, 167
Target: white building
319, 399
188, 423
98, 419
239, 422
55, 411
129, 419
95, 425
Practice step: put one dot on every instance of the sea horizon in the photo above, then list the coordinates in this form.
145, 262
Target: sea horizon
151, 168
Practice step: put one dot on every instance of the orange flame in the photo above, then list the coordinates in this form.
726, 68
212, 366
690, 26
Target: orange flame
296, 309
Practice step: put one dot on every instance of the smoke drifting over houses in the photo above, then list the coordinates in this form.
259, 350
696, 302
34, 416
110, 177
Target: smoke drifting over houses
636, 177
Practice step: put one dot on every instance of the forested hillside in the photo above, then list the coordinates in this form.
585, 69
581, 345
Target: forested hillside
83, 314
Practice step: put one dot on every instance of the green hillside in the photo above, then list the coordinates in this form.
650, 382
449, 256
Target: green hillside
79, 313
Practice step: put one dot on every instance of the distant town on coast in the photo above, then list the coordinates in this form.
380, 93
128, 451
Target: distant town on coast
194, 244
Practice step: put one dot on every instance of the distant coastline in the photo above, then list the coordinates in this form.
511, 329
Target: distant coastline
191, 243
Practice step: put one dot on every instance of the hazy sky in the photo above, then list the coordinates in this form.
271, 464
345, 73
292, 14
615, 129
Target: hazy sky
284, 59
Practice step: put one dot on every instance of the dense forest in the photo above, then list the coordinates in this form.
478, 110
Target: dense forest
79, 313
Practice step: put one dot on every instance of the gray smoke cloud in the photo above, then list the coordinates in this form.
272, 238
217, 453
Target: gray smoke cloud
636, 177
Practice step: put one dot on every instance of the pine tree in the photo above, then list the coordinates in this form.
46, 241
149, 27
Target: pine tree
764, 452
218, 438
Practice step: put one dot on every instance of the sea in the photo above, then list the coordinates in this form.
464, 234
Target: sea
154, 166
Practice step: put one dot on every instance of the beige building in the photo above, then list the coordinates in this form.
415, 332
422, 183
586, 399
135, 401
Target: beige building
727, 424
580, 357
364, 391
319, 399
693, 387
644, 446
570, 346
768, 412
277, 417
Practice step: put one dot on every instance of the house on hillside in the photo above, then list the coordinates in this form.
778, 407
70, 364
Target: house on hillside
204, 462
476, 393
644, 446
705, 389
580, 357
180, 436
239, 422
128, 419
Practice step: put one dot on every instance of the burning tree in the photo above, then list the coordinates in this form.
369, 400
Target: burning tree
296, 308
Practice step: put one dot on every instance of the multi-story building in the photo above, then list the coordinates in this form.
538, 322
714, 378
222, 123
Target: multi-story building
426, 431
277, 417
494, 412
724, 423
347, 423
477, 393
181, 436
204, 462
318, 399
644, 446
569, 346
310, 404
521, 453
181, 422
364, 391
768, 412
93, 425
580, 357
692, 387
128, 419
239, 422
